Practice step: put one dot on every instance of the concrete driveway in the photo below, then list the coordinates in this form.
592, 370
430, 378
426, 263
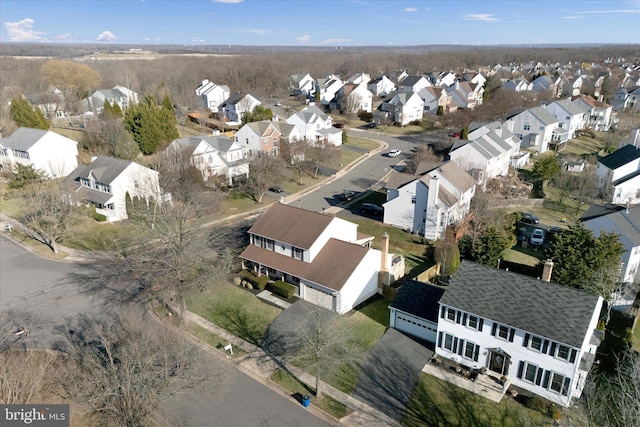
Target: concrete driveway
390, 373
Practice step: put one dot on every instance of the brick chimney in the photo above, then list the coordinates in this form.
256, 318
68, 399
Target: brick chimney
547, 270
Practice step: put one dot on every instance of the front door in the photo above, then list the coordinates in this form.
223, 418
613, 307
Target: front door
499, 362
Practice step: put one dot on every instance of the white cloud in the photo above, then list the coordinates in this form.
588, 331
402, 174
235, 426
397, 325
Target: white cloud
65, 38
304, 39
479, 17
228, 1
22, 31
106, 36
197, 40
572, 17
409, 9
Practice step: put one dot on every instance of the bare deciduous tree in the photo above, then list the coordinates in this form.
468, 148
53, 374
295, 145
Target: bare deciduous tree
424, 153
50, 214
294, 152
74, 80
264, 171
321, 153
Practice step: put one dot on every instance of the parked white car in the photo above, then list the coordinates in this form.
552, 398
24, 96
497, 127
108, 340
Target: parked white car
537, 237
394, 153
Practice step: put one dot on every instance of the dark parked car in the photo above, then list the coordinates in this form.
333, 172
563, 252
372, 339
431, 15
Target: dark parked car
371, 209
529, 218
338, 125
276, 189
347, 195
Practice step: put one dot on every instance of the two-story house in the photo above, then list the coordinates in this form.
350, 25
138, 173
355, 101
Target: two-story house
120, 95
106, 181
301, 84
400, 108
547, 84
265, 137
519, 84
625, 222
437, 196
237, 105
413, 84
434, 97
315, 126
327, 89
212, 95
569, 115
52, 153
354, 97
537, 128
540, 336
599, 115
381, 86
359, 78
328, 261
216, 155
487, 153
465, 94
619, 175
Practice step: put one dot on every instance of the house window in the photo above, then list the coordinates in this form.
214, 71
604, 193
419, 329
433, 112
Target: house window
297, 253
473, 322
559, 384
413, 199
536, 343
135, 183
448, 342
267, 244
526, 127
503, 332
451, 314
530, 373
257, 240
469, 348
563, 352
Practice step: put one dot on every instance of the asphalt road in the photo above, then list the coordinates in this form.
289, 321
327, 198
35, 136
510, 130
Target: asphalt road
367, 174
230, 398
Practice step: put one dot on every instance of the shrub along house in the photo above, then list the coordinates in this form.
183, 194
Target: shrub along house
541, 336
325, 258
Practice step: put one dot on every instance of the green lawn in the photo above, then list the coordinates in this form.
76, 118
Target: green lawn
438, 403
526, 256
213, 340
326, 403
235, 309
635, 338
365, 144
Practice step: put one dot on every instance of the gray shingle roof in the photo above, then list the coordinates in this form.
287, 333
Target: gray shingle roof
546, 309
543, 115
105, 169
624, 223
23, 138
418, 298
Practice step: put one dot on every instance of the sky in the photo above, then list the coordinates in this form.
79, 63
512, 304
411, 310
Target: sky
320, 22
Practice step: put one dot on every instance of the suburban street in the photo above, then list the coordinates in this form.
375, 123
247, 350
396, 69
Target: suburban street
368, 173
230, 398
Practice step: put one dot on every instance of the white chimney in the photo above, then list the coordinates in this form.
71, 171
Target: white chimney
547, 270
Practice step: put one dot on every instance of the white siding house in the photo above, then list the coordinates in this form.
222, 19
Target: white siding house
381, 86
212, 95
535, 127
264, 137
569, 115
400, 108
236, 105
540, 336
106, 181
325, 258
52, 153
314, 125
625, 222
619, 175
212, 155
301, 84
426, 203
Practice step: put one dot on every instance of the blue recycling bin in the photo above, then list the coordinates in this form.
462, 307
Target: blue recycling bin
306, 400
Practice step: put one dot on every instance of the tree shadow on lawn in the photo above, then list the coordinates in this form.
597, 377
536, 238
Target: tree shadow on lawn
237, 320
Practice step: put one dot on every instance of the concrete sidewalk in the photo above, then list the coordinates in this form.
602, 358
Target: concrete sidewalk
261, 366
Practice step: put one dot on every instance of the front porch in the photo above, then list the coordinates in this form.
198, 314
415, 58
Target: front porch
487, 384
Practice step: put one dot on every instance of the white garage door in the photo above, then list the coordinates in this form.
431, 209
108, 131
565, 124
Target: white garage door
318, 298
415, 326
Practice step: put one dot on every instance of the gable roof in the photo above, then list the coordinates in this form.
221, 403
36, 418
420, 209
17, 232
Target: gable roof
220, 143
418, 298
301, 228
625, 222
546, 309
331, 268
105, 169
621, 157
542, 115
24, 138
568, 106
311, 113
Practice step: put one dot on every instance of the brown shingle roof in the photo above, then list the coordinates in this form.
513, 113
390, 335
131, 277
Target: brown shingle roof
331, 268
288, 224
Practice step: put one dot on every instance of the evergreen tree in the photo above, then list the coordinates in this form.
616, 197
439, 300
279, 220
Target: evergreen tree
166, 103
25, 115
107, 111
465, 133
117, 111
150, 124
259, 113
